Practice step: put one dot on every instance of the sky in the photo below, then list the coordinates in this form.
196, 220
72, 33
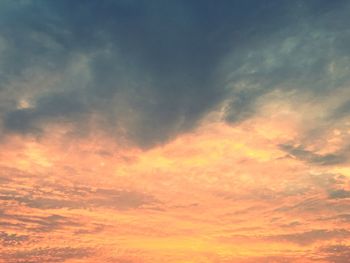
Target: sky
179, 131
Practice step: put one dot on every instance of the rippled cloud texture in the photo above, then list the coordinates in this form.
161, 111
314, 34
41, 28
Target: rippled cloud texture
174, 131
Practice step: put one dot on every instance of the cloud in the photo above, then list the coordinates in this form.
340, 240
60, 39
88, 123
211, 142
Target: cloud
51, 108
7, 239
342, 218
78, 198
308, 156
144, 72
339, 194
312, 236
36, 223
335, 253
114, 199
46, 255
312, 205
335, 185
4, 180
151, 70
144, 62
265, 259
304, 55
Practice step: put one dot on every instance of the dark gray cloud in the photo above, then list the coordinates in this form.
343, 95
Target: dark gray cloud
311, 157
53, 107
339, 193
341, 111
153, 69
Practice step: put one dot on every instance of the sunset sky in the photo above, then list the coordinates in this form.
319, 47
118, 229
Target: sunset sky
174, 131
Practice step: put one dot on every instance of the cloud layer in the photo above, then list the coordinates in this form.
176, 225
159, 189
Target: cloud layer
174, 131
145, 72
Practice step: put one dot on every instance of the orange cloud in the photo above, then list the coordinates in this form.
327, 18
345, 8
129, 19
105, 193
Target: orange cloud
218, 194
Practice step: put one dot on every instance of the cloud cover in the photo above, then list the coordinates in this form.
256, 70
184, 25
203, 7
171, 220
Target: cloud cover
234, 115
145, 71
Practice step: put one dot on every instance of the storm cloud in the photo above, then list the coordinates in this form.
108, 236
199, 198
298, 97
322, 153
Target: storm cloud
149, 70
